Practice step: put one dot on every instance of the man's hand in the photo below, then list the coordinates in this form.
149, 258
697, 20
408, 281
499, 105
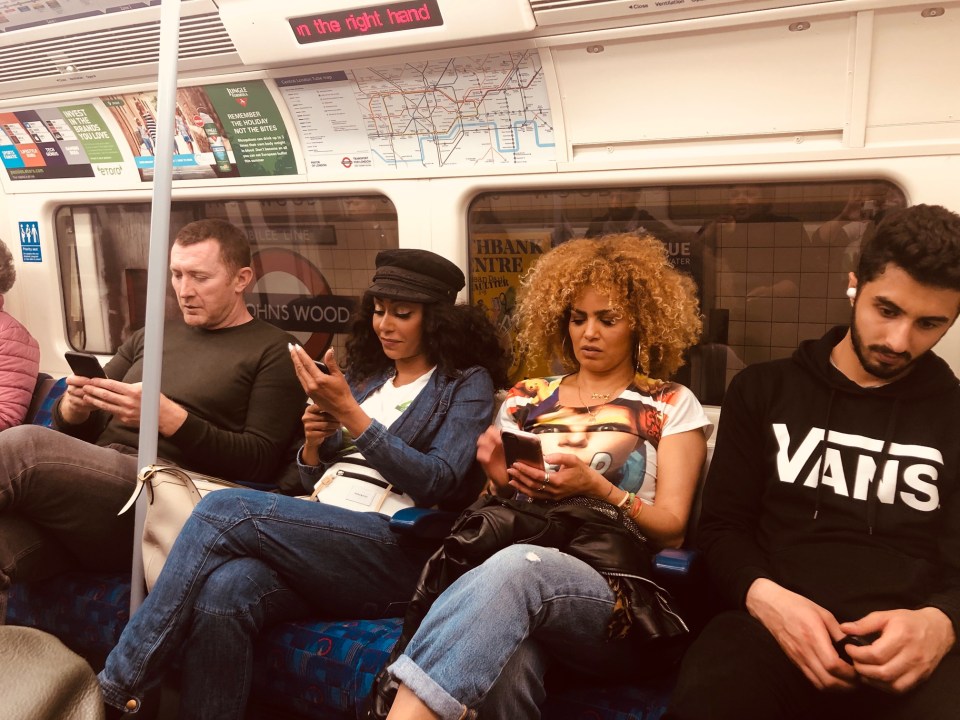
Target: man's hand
74, 407
805, 631
910, 646
123, 401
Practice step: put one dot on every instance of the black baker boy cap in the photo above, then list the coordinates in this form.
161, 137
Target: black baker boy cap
416, 276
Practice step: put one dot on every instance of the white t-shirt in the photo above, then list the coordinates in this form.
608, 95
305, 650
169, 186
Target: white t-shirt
388, 402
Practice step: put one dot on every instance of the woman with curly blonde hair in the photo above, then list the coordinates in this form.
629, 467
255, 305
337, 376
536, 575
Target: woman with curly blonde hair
617, 437
19, 354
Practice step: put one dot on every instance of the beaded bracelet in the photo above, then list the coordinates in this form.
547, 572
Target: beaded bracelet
638, 506
626, 497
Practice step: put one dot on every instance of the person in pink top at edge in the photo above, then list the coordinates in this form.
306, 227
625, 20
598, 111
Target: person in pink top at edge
19, 354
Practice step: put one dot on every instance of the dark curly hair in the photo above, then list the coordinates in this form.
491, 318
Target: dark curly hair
455, 337
923, 240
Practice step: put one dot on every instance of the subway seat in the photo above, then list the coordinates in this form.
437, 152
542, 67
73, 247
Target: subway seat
311, 669
320, 670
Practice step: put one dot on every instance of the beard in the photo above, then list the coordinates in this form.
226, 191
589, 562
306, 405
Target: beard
882, 371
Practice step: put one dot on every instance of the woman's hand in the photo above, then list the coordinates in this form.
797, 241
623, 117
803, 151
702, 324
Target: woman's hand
317, 427
491, 458
330, 392
572, 477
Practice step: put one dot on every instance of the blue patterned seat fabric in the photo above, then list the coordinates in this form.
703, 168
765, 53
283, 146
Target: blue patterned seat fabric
317, 670
44, 414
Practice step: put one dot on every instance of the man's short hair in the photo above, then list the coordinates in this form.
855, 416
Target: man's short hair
234, 246
924, 240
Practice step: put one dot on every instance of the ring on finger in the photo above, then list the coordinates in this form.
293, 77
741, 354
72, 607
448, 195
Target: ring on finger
546, 478
542, 487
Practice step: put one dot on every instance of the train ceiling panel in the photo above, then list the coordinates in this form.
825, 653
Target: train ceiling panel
730, 83
596, 14
107, 49
914, 67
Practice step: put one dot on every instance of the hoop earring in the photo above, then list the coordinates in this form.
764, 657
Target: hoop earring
567, 354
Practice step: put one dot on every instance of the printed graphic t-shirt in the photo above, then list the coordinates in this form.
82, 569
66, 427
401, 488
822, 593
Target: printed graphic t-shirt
619, 438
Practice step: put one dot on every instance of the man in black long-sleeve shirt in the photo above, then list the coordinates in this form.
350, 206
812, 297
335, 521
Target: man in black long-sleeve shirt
230, 407
831, 514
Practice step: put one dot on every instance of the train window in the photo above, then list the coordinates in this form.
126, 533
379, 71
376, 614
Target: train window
770, 260
312, 259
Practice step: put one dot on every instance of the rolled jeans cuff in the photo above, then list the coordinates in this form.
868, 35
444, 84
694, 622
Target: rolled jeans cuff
432, 695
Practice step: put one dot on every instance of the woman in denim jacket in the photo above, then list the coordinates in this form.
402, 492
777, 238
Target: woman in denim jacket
421, 390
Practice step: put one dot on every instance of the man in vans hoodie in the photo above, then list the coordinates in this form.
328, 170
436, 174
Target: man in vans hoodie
814, 541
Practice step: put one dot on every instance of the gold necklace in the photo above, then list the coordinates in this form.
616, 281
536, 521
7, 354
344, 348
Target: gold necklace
602, 397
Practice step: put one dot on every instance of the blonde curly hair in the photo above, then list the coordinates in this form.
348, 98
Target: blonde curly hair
634, 273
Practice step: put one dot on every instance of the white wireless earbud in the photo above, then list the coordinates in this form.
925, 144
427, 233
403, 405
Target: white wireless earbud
851, 293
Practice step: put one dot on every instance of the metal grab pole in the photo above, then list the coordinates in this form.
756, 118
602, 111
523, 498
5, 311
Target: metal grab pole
157, 266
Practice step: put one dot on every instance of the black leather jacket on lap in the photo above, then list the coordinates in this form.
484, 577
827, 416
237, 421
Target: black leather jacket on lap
643, 611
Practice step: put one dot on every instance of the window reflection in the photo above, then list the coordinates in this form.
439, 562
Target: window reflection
313, 257
770, 260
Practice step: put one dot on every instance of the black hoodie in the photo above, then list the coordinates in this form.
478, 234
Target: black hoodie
772, 508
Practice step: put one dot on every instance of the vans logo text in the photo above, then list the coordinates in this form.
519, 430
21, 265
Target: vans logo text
916, 468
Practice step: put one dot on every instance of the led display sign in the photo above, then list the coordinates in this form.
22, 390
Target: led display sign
371, 20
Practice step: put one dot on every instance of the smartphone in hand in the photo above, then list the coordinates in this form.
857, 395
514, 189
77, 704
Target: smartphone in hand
322, 367
859, 640
84, 364
522, 447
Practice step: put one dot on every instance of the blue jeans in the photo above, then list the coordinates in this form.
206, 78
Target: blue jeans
244, 560
488, 639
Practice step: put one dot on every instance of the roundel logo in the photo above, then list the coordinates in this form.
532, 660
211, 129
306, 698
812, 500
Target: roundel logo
293, 278
346, 162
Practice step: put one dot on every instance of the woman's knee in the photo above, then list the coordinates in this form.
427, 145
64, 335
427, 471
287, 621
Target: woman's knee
233, 503
548, 568
237, 587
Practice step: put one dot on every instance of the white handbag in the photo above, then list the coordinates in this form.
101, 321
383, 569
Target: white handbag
352, 484
172, 493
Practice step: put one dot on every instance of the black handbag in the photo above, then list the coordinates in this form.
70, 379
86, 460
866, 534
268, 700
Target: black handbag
644, 613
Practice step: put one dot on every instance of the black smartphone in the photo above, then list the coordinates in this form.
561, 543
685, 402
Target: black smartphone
84, 364
521, 447
860, 640
322, 367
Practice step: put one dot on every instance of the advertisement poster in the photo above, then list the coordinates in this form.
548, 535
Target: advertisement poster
252, 122
227, 130
497, 260
51, 143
